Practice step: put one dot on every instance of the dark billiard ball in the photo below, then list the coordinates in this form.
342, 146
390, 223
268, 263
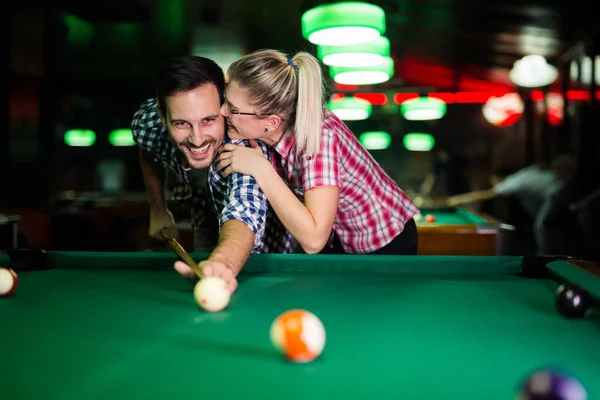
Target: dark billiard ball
551, 385
572, 301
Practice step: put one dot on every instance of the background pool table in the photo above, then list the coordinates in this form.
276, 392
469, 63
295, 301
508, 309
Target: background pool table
460, 231
98, 222
125, 325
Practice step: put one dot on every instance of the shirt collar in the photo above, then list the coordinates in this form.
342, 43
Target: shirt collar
287, 141
285, 144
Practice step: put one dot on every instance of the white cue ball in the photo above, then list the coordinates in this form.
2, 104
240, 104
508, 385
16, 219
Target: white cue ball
211, 293
8, 282
418, 217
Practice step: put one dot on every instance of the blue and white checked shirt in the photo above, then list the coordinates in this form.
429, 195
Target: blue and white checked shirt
237, 197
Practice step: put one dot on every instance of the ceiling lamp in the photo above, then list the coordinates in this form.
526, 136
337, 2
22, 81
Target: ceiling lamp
80, 138
503, 111
555, 103
375, 140
121, 138
350, 108
364, 75
343, 23
416, 141
366, 54
533, 71
586, 70
423, 109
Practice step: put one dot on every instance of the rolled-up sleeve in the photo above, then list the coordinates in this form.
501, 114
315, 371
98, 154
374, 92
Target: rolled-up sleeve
246, 202
322, 168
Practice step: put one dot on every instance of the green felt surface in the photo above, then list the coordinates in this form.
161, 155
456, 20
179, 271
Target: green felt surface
449, 216
4, 260
397, 327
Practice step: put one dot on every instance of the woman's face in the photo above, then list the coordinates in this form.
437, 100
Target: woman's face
243, 120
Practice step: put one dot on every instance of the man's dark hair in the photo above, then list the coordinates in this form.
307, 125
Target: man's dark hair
182, 74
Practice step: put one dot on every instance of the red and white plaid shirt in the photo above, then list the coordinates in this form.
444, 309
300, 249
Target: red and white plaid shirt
372, 209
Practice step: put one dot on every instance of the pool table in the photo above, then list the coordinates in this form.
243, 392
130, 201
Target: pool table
125, 325
461, 231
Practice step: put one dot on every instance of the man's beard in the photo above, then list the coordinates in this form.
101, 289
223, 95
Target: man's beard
198, 157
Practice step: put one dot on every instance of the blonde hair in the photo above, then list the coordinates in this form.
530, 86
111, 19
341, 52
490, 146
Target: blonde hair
290, 87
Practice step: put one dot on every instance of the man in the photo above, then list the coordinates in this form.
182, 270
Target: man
536, 187
447, 176
180, 132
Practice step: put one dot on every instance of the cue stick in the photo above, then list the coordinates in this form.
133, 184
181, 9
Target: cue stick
184, 255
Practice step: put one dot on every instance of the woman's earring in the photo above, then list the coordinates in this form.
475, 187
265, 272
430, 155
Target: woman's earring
266, 129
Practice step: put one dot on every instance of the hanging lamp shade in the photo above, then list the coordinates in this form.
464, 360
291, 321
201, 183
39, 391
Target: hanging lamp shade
121, 138
343, 23
586, 70
533, 71
367, 54
423, 109
503, 111
350, 108
375, 140
80, 138
363, 75
418, 141
556, 105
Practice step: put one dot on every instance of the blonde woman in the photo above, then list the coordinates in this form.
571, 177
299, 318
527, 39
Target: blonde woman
324, 186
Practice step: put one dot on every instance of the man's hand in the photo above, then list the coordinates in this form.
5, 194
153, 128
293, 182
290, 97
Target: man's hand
209, 268
227, 259
162, 224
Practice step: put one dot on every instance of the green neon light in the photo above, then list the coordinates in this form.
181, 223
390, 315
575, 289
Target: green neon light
418, 141
121, 138
423, 109
364, 75
375, 140
343, 23
80, 138
351, 108
360, 55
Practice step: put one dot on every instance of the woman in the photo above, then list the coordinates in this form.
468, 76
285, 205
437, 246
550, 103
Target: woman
326, 189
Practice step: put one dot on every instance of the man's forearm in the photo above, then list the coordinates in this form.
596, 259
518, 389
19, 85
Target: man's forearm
235, 244
154, 178
472, 197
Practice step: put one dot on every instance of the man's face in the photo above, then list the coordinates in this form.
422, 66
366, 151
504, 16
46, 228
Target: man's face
195, 125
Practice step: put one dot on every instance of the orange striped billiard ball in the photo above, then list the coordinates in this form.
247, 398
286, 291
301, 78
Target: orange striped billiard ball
299, 335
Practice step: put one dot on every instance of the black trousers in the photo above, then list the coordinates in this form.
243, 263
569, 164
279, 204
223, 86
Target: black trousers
405, 243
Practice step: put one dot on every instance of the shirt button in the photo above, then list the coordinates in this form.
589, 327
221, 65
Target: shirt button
309, 158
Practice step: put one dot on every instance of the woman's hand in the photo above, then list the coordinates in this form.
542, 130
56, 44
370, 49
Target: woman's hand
243, 160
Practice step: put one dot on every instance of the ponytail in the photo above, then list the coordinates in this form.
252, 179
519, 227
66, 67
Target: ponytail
291, 87
309, 106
